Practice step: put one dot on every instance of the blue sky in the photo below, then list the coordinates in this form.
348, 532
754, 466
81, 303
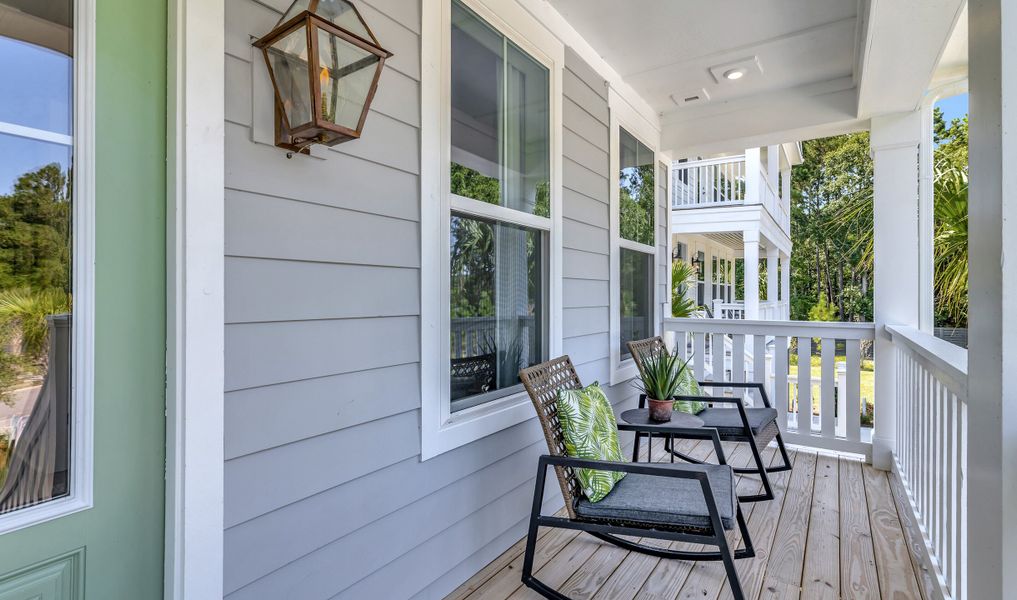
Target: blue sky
42, 79
953, 107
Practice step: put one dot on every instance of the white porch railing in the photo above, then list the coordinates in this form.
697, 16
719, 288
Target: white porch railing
761, 351
770, 198
709, 182
931, 446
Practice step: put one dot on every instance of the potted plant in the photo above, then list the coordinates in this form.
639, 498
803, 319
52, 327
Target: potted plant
661, 378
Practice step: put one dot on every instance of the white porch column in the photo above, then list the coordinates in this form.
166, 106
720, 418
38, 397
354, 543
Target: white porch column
894, 145
708, 276
785, 284
772, 286
750, 240
992, 317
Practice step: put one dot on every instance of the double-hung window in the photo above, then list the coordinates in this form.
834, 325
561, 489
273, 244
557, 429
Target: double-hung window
634, 206
496, 202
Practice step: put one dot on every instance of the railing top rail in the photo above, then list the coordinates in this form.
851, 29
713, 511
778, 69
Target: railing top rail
676, 205
946, 360
708, 161
821, 329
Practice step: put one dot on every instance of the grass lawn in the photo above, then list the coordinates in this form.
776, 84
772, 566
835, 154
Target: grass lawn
867, 383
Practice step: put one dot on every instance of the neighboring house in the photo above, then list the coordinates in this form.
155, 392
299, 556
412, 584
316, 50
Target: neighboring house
290, 375
737, 207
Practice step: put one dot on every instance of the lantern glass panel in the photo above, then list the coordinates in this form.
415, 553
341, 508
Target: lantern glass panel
288, 59
338, 12
347, 72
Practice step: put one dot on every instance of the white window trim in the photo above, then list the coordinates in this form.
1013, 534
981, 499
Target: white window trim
624, 116
79, 495
440, 431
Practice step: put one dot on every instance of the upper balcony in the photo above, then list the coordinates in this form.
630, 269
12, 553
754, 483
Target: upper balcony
742, 180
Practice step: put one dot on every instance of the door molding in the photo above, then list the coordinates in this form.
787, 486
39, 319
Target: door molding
195, 337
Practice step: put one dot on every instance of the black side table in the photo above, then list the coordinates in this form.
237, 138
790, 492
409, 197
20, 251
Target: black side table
638, 420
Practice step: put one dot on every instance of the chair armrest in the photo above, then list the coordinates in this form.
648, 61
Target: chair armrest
750, 385
547, 460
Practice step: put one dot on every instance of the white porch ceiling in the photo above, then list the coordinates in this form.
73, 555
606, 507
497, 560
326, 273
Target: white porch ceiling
824, 66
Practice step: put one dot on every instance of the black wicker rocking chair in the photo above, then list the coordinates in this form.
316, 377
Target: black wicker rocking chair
756, 426
675, 502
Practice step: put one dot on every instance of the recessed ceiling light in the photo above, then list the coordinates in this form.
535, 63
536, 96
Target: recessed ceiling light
734, 74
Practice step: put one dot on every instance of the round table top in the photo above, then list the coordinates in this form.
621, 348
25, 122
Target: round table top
641, 417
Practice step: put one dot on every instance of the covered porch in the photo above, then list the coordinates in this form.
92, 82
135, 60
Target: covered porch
882, 500
837, 528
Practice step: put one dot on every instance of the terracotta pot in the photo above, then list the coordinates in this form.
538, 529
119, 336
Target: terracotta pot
660, 410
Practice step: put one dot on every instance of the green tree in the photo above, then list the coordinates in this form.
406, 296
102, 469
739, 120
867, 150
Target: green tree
831, 221
35, 224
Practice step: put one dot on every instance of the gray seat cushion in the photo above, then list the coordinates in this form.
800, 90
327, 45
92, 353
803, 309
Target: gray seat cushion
728, 422
666, 500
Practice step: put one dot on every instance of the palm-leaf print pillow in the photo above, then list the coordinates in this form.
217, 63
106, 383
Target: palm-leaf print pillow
689, 387
590, 431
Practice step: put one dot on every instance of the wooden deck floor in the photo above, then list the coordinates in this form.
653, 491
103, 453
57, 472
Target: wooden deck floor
833, 531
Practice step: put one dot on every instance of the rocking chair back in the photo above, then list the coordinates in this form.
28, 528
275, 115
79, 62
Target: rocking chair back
542, 383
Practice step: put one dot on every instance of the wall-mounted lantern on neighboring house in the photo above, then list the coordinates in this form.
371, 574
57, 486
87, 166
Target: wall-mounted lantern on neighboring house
324, 62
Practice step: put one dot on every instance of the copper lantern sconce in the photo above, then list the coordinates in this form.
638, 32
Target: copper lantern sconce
324, 62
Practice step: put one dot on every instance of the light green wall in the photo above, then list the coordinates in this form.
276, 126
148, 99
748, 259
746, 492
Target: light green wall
123, 533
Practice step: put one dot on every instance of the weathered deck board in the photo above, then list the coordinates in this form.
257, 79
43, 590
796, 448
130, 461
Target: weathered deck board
784, 569
832, 531
821, 579
857, 563
893, 558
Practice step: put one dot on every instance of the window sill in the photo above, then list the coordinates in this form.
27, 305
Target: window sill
624, 371
472, 424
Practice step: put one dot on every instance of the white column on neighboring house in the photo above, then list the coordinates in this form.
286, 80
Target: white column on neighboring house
894, 145
708, 276
992, 314
785, 284
771, 274
750, 241
752, 179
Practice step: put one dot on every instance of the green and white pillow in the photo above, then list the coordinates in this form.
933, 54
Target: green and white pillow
590, 431
689, 387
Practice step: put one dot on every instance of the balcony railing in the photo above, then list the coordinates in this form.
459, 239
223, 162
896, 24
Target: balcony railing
724, 182
932, 439
826, 416
710, 182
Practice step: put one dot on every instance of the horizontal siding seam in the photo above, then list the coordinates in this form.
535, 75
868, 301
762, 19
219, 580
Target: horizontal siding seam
317, 435
451, 525
325, 319
324, 262
324, 205
583, 108
585, 168
322, 376
585, 139
564, 123
388, 514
